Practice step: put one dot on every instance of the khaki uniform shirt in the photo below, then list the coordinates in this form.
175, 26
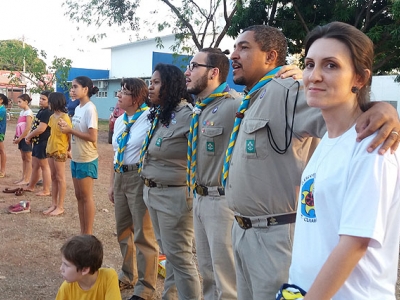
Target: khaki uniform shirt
215, 127
166, 157
261, 181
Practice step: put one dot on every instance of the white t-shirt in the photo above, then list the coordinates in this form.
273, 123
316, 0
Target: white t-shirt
137, 135
85, 117
347, 191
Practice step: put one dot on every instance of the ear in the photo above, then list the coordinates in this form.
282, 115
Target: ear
85, 271
361, 81
271, 57
214, 73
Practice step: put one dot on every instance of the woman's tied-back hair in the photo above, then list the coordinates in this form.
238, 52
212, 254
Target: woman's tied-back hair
5, 99
84, 251
361, 52
270, 38
57, 102
218, 59
137, 87
25, 97
87, 82
173, 90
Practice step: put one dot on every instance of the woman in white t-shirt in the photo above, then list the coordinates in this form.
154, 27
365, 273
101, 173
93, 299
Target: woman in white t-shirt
84, 163
346, 242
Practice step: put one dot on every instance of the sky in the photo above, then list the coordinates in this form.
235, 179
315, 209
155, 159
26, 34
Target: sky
43, 25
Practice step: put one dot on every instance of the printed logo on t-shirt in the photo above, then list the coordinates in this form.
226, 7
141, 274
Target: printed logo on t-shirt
307, 200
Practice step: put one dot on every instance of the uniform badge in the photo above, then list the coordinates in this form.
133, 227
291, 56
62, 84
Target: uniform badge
210, 147
159, 142
262, 94
251, 146
173, 121
215, 110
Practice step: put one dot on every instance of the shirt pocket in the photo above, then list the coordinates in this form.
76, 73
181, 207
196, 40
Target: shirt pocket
213, 141
163, 139
254, 139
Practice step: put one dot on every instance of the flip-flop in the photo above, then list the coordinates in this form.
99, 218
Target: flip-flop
10, 191
19, 192
21, 209
2, 175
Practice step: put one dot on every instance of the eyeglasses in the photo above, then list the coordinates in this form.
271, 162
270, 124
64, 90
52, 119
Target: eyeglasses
193, 65
124, 92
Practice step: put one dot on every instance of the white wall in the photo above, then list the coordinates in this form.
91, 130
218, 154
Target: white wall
385, 89
135, 59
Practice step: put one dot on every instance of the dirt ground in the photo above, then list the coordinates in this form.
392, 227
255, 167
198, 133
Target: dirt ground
30, 243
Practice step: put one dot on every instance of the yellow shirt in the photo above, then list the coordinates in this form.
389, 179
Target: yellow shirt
58, 142
105, 288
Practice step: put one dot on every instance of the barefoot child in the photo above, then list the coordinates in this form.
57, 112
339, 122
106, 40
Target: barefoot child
3, 126
58, 146
82, 257
21, 131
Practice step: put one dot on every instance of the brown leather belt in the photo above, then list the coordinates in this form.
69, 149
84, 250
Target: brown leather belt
265, 221
151, 184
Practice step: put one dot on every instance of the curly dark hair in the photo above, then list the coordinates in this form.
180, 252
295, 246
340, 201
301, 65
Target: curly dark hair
172, 91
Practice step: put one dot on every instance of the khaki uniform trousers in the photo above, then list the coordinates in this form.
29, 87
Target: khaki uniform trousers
171, 213
135, 235
262, 259
212, 230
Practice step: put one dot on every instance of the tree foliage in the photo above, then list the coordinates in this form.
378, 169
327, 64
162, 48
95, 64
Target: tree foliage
379, 19
16, 56
195, 20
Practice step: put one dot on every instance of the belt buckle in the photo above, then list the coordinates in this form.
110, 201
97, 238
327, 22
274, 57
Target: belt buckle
271, 221
243, 222
221, 191
146, 182
125, 168
201, 190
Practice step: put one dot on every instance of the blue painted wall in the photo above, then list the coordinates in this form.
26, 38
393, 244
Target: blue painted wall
181, 61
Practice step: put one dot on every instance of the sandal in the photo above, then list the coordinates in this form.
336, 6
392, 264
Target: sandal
20, 208
10, 191
20, 192
2, 175
124, 286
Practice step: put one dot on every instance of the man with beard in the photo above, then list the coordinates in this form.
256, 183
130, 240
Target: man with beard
213, 117
268, 150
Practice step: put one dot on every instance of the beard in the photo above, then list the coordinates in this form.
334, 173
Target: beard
239, 80
199, 86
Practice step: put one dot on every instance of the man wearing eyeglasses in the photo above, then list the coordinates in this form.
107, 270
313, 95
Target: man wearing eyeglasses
212, 123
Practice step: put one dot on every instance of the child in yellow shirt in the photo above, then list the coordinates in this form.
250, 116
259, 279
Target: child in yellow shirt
82, 256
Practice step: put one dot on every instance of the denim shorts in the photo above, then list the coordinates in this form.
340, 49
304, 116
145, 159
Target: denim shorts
24, 147
39, 150
83, 170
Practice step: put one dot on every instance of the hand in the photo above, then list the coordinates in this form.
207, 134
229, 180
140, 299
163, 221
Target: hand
289, 71
16, 140
27, 140
69, 155
64, 127
383, 117
111, 194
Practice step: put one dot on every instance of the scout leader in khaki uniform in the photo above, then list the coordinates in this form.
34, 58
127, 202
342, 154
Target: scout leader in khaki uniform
262, 172
211, 125
163, 169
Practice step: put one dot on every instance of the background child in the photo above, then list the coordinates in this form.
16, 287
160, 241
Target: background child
58, 146
82, 257
3, 126
40, 132
21, 131
84, 161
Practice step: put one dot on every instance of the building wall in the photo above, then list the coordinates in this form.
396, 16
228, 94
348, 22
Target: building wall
384, 88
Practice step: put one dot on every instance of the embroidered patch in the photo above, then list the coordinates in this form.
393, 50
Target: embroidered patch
159, 142
215, 110
173, 121
172, 115
251, 146
262, 94
210, 147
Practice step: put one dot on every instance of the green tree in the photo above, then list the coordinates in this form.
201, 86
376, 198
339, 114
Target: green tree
192, 19
17, 56
379, 19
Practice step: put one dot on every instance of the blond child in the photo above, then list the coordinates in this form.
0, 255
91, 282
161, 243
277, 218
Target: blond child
57, 151
82, 257
21, 131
